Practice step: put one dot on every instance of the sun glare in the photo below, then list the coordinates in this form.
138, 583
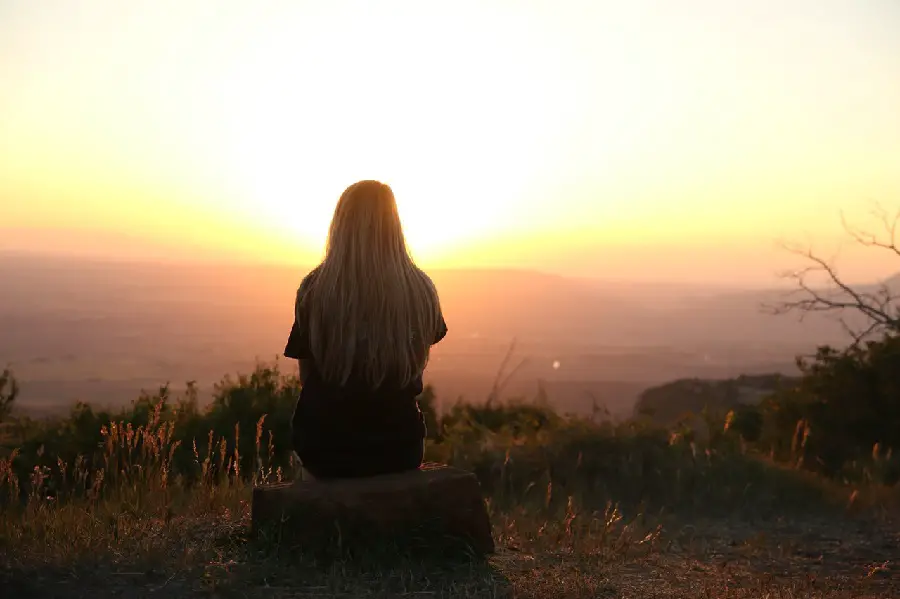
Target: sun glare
584, 136
457, 155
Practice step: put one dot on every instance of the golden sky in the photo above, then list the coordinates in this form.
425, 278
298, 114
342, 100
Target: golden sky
671, 140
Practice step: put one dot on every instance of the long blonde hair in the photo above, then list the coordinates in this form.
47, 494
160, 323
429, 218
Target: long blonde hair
370, 310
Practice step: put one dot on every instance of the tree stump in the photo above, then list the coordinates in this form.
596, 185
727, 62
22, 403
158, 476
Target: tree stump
433, 504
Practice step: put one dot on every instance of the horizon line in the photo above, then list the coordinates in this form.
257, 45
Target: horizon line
235, 261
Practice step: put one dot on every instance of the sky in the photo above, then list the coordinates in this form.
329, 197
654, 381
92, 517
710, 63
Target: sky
635, 140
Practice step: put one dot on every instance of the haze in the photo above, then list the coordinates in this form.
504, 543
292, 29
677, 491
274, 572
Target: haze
633, 140
100, 331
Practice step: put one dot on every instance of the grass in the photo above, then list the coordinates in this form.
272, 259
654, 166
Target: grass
579, 509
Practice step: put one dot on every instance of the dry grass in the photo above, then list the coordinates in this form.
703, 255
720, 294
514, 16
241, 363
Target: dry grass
123, 525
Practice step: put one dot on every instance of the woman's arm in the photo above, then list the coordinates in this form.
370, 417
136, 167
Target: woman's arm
297, 346
305, 368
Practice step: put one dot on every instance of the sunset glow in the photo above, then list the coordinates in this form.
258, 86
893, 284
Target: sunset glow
580, 136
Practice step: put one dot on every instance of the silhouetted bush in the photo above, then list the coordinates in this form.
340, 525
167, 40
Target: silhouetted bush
842, 418
745, 421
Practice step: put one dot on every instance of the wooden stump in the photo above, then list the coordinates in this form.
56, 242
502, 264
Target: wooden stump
433, 504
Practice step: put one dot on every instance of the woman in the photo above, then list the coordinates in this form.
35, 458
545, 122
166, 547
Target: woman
364, 322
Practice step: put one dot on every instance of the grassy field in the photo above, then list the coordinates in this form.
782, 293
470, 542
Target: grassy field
579, 509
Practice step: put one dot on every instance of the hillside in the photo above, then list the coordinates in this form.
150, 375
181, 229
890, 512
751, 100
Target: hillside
162, 500
667, 403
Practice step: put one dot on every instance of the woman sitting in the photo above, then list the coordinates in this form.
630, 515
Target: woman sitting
364, 322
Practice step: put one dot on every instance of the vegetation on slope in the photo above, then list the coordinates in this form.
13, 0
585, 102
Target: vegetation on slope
162, 490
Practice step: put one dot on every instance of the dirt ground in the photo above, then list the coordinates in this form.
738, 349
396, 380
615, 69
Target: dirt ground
813, 557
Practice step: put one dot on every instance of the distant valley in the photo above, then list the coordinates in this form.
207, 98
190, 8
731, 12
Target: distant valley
102, 331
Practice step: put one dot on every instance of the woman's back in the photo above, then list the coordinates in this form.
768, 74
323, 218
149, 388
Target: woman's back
364, 322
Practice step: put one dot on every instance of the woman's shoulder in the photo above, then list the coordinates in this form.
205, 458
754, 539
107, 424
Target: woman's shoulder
308, 279
425, 278
304, 286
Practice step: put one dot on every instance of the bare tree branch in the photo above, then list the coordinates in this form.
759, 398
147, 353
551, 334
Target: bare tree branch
879, 305
9, 390
500, 381
865, 238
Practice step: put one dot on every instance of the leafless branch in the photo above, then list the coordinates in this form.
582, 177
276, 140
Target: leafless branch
879, 305
500, 381
890, 225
